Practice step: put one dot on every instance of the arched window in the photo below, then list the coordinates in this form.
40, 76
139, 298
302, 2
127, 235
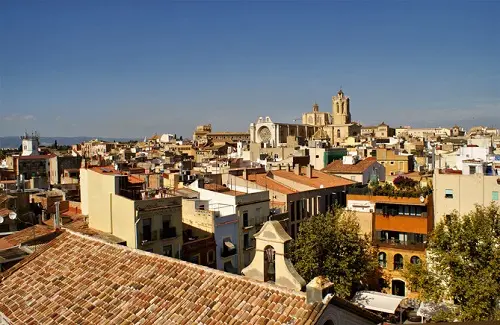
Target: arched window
415, 260
338, 108
269, 265
382, 259
343, 108
338, 133
398, 262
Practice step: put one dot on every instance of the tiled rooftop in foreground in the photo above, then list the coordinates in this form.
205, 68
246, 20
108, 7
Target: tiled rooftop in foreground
78, 279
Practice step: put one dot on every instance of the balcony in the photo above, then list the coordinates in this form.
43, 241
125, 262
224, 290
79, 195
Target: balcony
167, 233
399, 244
145, 238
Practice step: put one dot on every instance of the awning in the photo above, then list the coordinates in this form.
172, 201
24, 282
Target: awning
378, 301
229, 245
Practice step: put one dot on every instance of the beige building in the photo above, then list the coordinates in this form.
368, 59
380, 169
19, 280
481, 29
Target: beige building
456, 192
342, 127
114, 204
361, 171
395, 163
316, 118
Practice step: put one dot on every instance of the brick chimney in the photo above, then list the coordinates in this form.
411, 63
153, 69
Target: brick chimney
317, 289
296, 169
309, 171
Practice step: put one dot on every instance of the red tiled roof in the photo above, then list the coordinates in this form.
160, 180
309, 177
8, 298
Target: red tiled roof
77, 279
36, 157
318, 178
26, 235
337, 166
270, 184
134, 180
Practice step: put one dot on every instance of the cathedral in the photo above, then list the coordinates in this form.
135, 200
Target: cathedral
333, 128
337, 126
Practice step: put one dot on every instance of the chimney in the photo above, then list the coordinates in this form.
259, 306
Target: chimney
57, 218
245, 174
317, 289
296, 169
309, 171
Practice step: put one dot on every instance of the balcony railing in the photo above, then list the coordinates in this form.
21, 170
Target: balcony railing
167, 233
399, 244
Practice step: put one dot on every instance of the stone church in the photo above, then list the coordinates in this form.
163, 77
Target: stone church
334, 128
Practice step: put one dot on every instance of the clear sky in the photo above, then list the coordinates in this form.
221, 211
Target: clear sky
132, 68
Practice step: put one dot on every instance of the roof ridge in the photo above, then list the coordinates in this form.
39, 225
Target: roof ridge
187, 264
33, 255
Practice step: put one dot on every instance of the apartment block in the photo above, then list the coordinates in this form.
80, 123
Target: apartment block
395, 163
399, 226
115, 203
460, 190
250, 207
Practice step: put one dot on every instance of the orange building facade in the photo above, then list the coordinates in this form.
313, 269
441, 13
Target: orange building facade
400, 226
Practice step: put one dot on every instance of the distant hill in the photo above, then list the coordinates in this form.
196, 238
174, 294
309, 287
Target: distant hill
15, 142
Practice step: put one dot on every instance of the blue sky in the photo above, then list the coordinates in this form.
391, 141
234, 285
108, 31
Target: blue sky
132, 68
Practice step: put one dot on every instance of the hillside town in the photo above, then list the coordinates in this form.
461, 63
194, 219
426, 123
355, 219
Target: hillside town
217, 227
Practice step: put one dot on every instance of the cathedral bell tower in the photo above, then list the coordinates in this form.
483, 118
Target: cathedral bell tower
340, 109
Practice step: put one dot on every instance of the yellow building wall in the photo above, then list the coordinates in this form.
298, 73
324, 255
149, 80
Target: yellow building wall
468, 190
199, 219
123, 219
365, 220
391, 274
100, 188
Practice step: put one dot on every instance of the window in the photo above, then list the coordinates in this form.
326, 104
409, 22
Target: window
338, 133
211, 257
146, 229
392, 162
245, 219
472, 170
382, 259
168, 251
494, 196
246, 241
317, 156
415, 260
448, 194
398, 262
353, 178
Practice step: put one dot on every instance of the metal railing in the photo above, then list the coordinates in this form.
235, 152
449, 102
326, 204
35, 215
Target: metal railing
399, 244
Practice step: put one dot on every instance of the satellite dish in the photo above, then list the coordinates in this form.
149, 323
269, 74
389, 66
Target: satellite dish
1, 219
422, 198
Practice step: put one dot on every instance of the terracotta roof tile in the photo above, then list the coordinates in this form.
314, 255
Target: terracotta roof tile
337, 166
78, 279
318, 178
270, 184
26, 235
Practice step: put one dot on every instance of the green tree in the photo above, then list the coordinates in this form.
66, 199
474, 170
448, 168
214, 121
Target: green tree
331, 245
463, 266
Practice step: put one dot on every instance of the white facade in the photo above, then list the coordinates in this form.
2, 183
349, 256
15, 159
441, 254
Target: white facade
30, 146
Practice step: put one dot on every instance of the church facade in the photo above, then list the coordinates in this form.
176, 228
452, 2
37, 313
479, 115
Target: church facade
334, 128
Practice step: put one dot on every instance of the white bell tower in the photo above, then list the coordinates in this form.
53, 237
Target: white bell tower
30, 144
